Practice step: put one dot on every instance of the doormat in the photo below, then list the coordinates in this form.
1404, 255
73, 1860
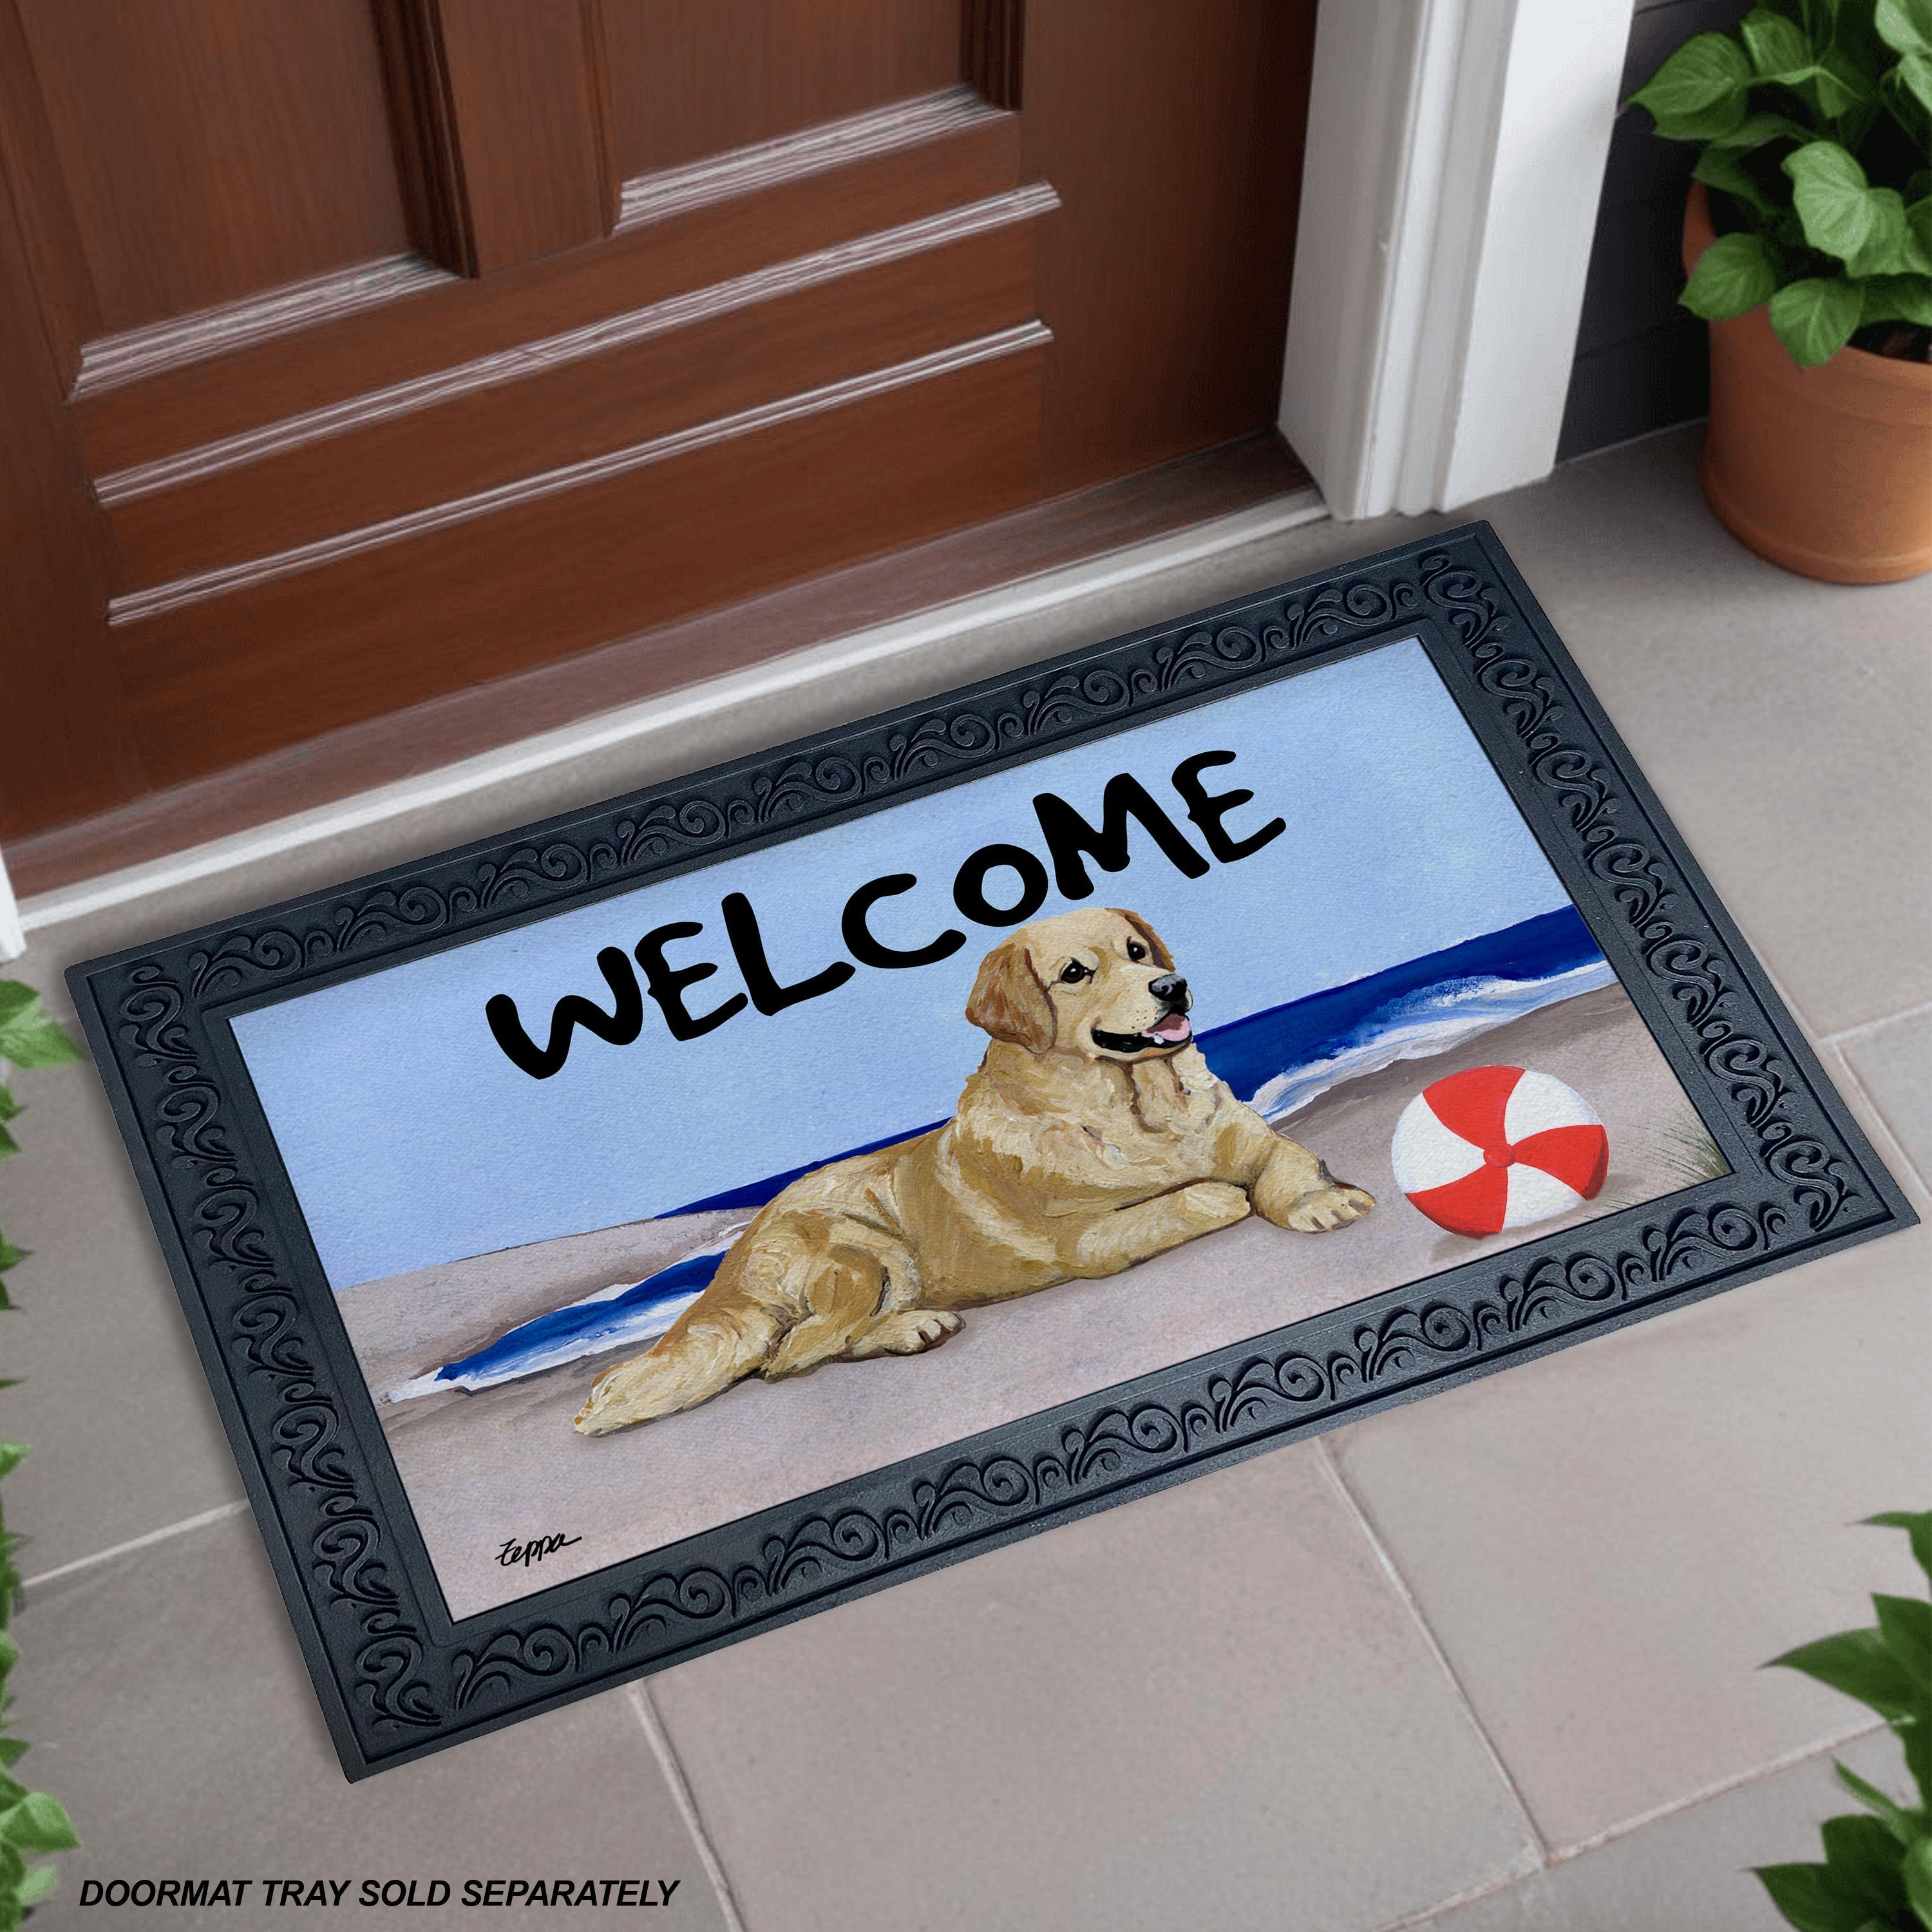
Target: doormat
611, 1241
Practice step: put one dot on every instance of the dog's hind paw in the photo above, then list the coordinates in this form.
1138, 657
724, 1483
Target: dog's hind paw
907, 1331
1322, 1208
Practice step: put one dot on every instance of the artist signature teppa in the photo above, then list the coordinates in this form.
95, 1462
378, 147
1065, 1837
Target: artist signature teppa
514, 1552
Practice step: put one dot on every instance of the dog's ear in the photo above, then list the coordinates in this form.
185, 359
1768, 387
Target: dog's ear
1008, 1002
1157, 945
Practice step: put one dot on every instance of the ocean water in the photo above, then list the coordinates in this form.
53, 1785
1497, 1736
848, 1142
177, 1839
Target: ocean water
1278, 1060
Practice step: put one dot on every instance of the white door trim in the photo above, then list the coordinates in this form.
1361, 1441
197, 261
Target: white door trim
12, 936
1456, 153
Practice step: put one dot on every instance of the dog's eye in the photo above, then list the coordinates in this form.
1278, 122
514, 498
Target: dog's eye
1135, 950
1072, 973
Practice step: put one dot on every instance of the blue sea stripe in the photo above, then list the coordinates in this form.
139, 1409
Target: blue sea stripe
1249, 1052
585, 1319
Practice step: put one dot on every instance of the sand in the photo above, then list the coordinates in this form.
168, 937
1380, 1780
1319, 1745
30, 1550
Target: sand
506, 1464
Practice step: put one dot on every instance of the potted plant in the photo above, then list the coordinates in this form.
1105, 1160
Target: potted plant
1808, 243
1877, 1873
32, 1823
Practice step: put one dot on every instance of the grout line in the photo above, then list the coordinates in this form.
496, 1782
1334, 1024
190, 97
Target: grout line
1787, 1761
1489, 1889
154, 1536
1865, 1027
1539, 1850
642, 1702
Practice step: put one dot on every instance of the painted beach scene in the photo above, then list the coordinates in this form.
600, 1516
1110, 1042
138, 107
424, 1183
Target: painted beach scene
661, 1210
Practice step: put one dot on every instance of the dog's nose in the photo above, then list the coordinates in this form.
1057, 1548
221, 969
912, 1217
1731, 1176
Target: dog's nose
1171, 988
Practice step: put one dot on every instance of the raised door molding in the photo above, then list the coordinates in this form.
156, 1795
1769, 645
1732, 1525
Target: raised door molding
1457, 150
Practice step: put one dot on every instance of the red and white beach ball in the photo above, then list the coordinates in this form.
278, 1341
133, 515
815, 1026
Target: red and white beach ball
1497, 1147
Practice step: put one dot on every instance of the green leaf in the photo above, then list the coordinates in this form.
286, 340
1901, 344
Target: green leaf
1917, 1739
1720, 167
1884, 251
10, 1256
1855, 1662
12, 1749
1917, 1524
1863, 1859
1838, 86
38, 1823
1905, 25
1906, 1624
1805, 1895
1904, 1825
1700, 91
1732, 275
1774, 43
1829, 192
1908, 91
1755, 129
1918, 235
28, 1037
12, 1455
1917, 1873
9, 1106
1814, 320
37, 1884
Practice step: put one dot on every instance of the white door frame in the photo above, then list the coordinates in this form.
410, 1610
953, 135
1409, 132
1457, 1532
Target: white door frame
13, 938
1456, 153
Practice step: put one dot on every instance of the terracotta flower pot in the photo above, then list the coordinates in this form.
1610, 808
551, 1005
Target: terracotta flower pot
1826, 471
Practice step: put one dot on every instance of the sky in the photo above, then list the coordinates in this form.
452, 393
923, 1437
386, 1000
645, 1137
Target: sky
411, 1139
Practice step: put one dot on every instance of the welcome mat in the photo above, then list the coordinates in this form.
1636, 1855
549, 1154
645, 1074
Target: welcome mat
611, 1241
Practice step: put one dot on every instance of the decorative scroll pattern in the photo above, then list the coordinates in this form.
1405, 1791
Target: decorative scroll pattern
401, 1687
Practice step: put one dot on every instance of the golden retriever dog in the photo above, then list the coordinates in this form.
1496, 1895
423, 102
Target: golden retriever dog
1093, 1136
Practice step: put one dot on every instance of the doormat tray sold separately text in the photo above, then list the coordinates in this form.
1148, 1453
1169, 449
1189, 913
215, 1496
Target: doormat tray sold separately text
610, 1242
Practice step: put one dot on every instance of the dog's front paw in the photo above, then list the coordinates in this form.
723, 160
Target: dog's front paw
1322, 1208
906, 1331
1215, 1203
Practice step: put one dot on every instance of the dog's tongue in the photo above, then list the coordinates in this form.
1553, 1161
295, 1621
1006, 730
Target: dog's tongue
1176, 1026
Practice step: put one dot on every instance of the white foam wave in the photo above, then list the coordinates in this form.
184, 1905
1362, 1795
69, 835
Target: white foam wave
626, 1328
1427, 1023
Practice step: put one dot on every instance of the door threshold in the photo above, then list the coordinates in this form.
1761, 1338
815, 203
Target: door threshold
894, 611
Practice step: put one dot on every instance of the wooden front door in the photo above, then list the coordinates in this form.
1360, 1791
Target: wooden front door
356, 352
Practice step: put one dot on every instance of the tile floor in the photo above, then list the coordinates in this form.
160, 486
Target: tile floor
1487, 1664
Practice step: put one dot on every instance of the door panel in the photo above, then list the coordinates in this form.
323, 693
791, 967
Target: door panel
527, 422
69, 748
1173, 139
408, 619
211, 148
388, 347
245, 383
501, 121
692, 78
